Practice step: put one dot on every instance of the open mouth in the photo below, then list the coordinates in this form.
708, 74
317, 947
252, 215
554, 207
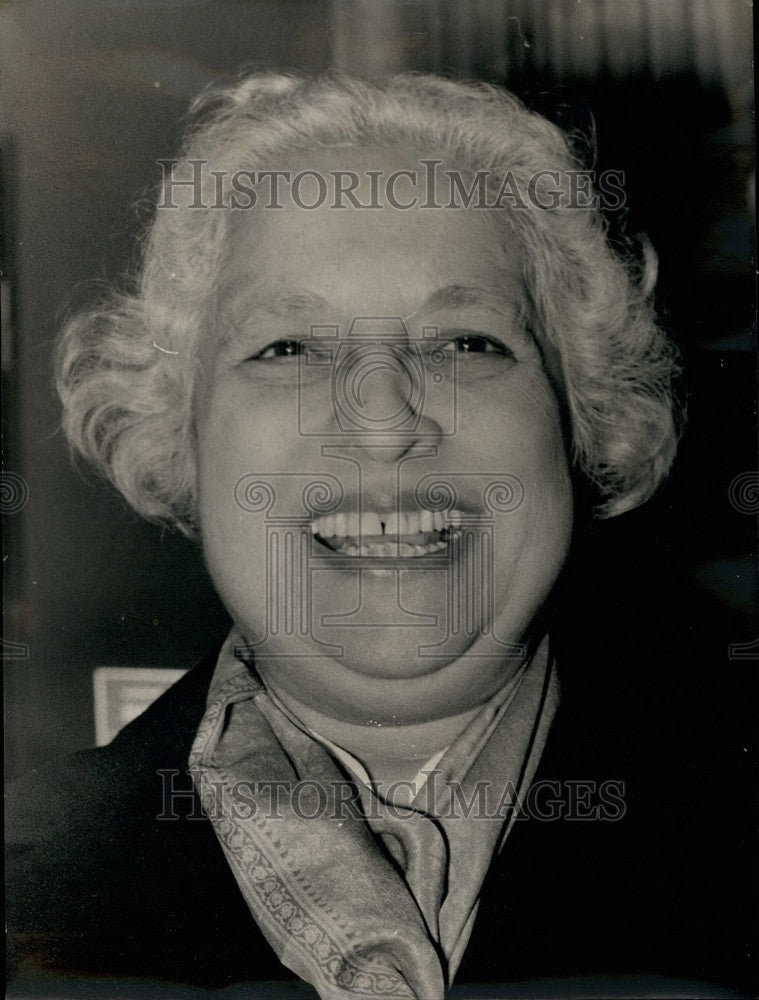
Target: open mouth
404, 534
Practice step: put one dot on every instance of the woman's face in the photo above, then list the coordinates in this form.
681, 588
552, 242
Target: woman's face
379, 352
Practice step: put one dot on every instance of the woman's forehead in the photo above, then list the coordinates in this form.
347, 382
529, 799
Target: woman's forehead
388, 259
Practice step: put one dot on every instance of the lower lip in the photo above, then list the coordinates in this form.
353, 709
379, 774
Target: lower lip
392, 547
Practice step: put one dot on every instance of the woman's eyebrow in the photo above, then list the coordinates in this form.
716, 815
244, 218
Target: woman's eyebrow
456, 296
284, 304
303, 303
449, 296
460, 296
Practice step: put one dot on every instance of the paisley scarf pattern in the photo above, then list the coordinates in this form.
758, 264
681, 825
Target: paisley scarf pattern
359, 897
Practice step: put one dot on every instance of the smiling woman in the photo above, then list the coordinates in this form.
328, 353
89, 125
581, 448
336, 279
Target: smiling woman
376, 423
591, 307
401, 427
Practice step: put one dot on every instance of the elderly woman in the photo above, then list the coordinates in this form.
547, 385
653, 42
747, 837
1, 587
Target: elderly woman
378, 350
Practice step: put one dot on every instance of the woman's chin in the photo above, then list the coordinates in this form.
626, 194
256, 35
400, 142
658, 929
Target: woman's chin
394, 654
385, 678
379, 654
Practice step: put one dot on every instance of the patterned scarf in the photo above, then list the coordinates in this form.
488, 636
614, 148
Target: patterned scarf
360, 897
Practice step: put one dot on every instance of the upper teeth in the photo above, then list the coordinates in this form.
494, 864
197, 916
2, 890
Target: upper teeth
389, 523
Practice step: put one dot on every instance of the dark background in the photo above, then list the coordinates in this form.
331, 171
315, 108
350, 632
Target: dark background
94, 95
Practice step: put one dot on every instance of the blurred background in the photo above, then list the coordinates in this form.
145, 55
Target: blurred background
94, 94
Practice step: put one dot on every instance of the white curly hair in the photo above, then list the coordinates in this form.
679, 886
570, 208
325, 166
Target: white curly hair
128, 406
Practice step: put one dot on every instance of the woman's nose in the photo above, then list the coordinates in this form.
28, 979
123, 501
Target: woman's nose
380, 398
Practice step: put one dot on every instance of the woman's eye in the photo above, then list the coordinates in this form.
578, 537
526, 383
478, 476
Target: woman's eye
278, 349
472, 343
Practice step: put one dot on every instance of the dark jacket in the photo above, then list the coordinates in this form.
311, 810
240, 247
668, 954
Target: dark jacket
112, 882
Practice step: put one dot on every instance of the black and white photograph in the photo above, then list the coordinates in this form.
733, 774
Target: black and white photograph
380, 493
